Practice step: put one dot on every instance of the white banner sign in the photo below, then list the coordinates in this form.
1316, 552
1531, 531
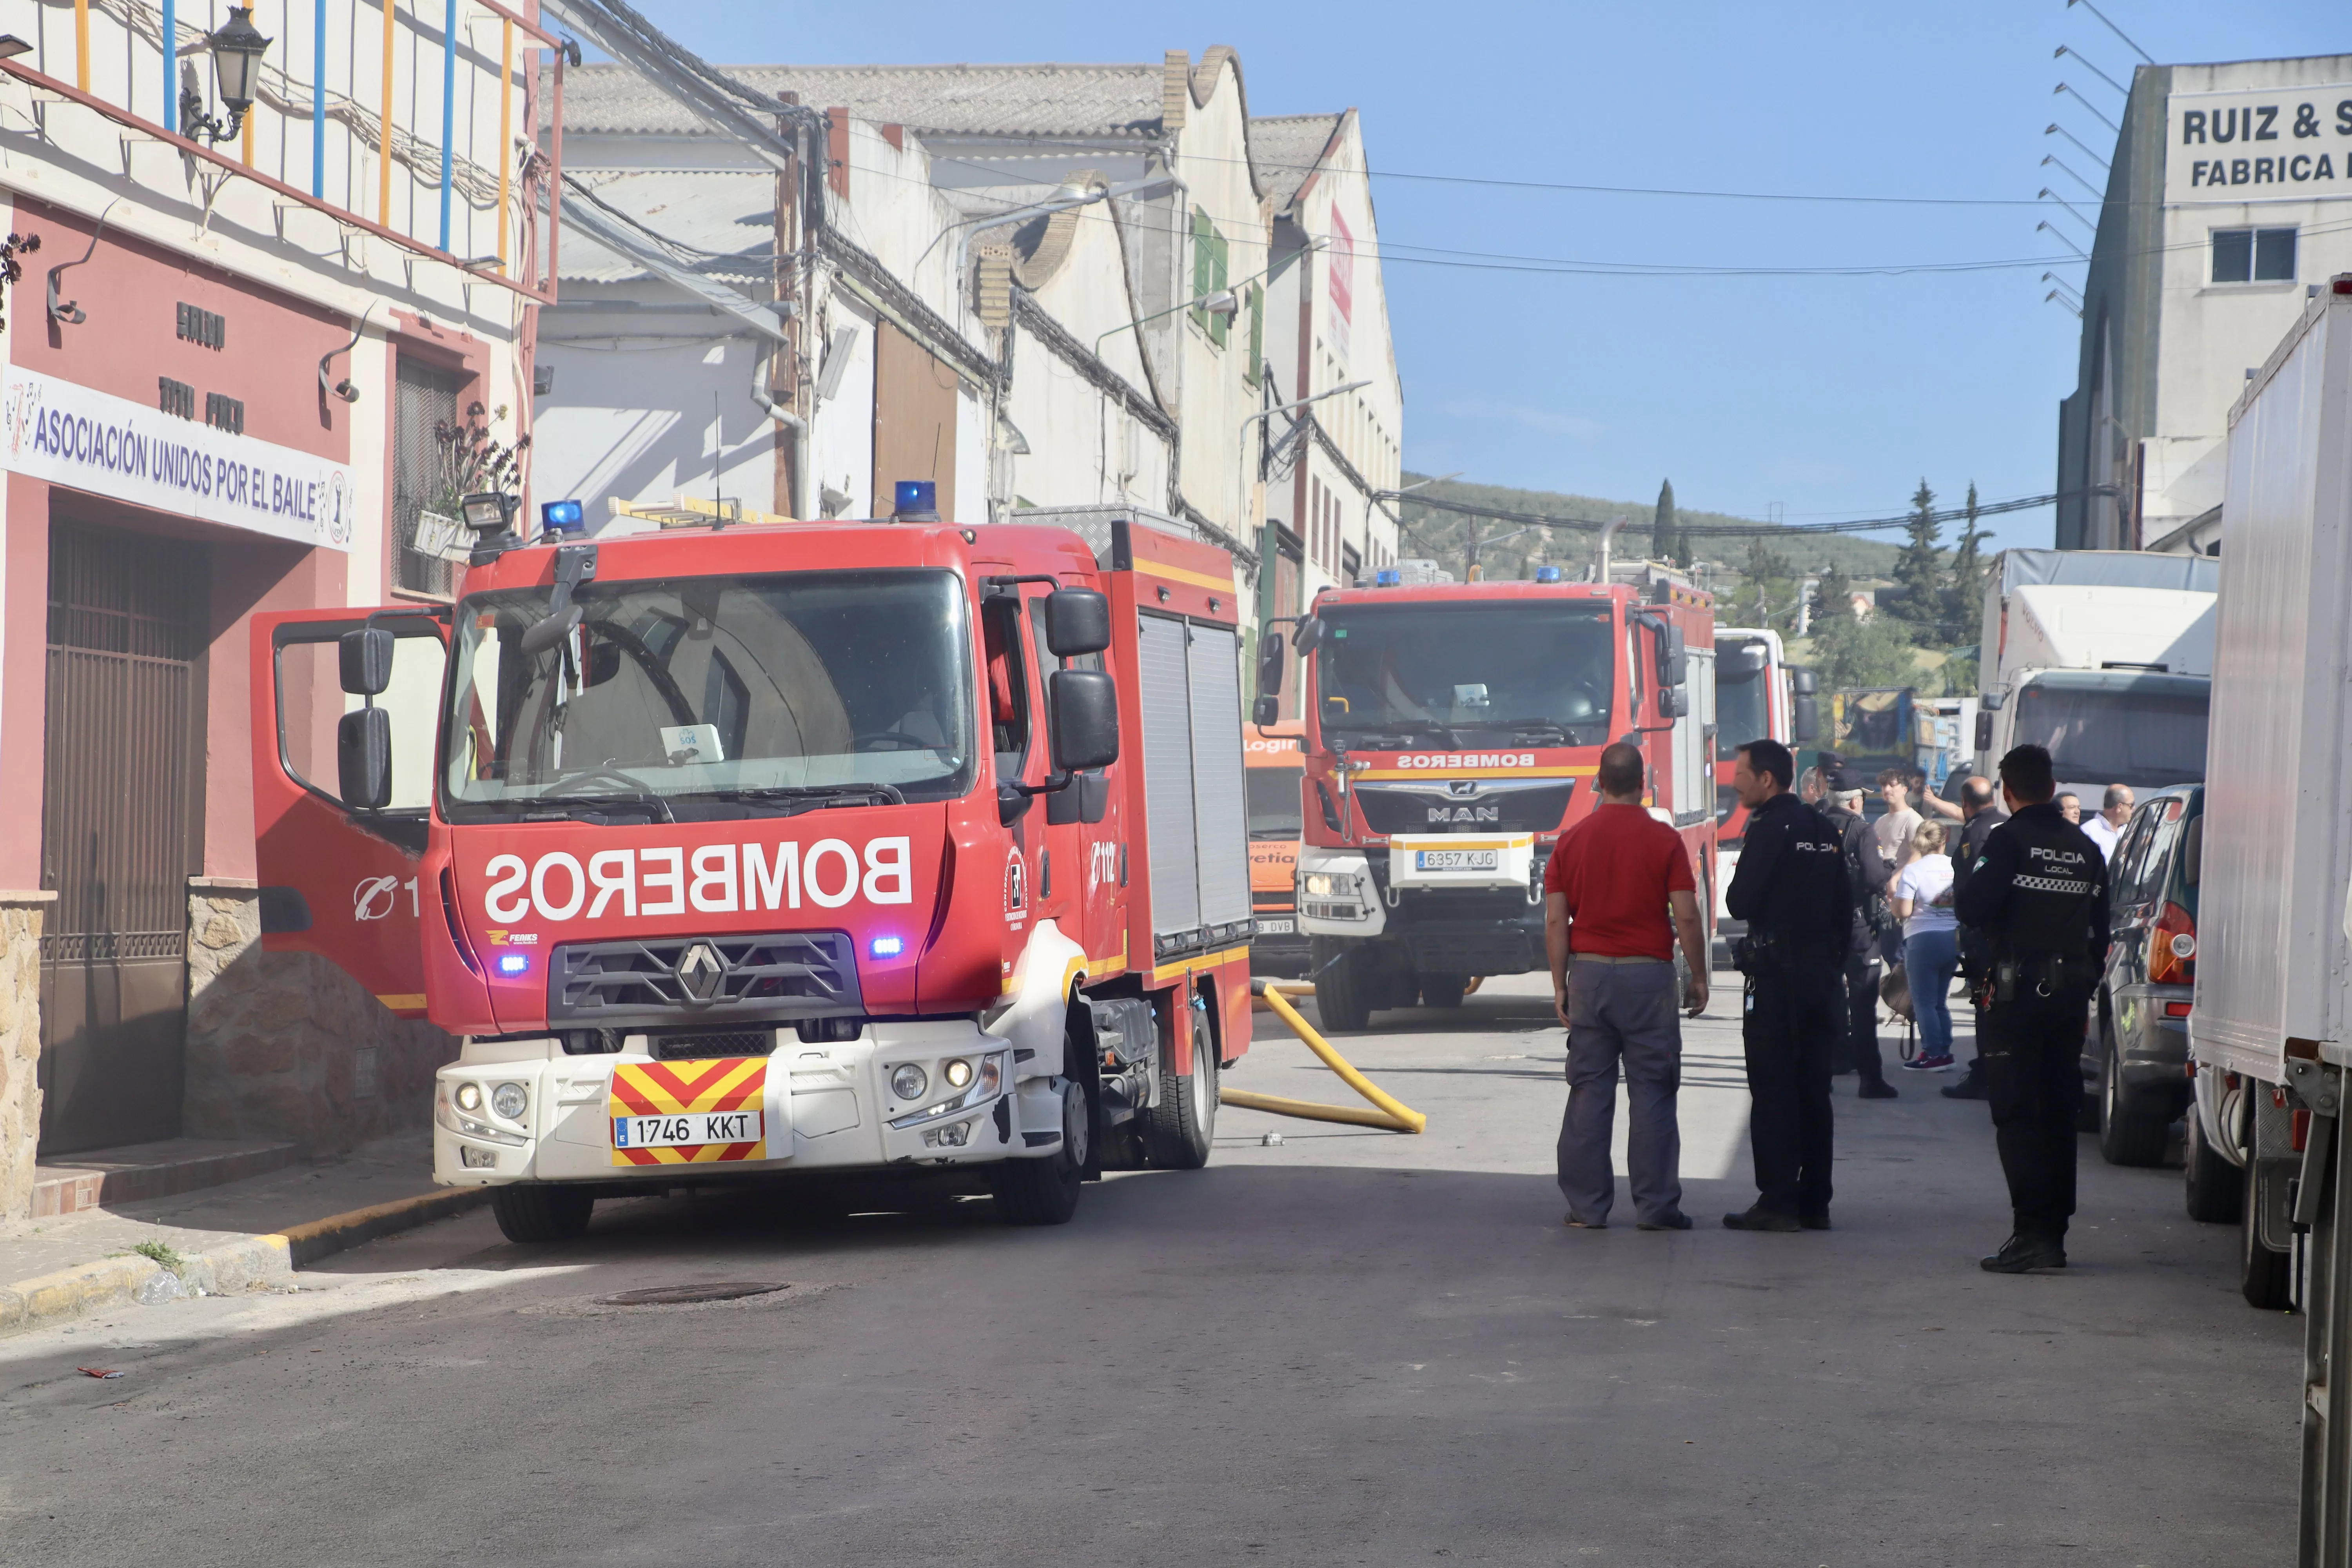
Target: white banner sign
109, 446
2263, 144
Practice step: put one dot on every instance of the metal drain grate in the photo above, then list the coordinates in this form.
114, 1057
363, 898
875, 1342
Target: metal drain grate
686, 1295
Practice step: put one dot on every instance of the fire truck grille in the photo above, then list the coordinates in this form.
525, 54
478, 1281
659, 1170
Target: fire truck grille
1516, 809
689, 1048
714, 980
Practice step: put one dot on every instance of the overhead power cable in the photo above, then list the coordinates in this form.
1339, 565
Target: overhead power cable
1749, 529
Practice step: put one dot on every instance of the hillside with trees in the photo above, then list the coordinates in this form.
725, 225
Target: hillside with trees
1448, 538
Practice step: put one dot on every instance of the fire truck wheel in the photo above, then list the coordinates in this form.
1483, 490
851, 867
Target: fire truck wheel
1184, 1121
1444, 990
1045, 1192
536, 1214
1343, 1004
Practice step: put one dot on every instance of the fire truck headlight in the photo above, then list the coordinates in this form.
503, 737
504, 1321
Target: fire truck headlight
509, 1100
958, 1073
470, 1096
1330, 885
910, 1081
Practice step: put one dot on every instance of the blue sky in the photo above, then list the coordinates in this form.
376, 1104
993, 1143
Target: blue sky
1828, 396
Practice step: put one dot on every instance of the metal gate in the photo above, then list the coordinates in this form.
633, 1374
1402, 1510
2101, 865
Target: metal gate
121, 792
424, 402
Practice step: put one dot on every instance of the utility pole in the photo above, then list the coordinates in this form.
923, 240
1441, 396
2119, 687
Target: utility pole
1470, 558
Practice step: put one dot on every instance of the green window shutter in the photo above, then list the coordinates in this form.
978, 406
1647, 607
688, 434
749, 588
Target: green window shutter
1257, 333
1218, 325
1203, 245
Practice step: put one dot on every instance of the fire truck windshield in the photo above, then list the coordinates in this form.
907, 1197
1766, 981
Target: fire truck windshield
817, 686
1455, 670
1742, 711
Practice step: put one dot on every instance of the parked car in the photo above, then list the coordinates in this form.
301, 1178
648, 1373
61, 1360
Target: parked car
2136, 1056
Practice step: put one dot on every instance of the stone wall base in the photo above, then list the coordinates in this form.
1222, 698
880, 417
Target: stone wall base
287, 1045
21, 917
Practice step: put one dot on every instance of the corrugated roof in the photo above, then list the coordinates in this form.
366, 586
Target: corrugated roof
971, 99
1287, 147
720, 223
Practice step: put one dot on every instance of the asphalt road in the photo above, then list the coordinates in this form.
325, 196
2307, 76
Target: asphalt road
1351, 1348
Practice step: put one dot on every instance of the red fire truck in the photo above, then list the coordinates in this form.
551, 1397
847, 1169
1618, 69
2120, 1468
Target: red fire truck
1453, 733
735, 851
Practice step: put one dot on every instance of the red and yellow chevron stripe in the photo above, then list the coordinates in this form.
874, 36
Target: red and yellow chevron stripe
658, 1089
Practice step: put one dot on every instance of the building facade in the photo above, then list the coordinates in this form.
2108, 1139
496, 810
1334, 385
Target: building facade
2225, 205
234, 362
1047, 290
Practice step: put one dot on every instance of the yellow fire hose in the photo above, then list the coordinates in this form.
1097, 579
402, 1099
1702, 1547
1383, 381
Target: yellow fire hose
1391, 1115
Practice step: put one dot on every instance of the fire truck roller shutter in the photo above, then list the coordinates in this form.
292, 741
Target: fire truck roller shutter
1220, 791
1163, 689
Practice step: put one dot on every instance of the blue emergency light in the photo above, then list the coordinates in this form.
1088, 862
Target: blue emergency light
562, 516
1547, 573
514, 964
1387, 577
915, 500
887, 946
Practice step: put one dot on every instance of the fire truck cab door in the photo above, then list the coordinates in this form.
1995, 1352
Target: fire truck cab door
344, 884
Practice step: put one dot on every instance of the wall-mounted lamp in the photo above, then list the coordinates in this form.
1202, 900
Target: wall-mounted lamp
344, 388
69, 312
236, 50
11, 45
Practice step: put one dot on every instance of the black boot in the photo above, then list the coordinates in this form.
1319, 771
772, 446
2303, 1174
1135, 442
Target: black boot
1761, 1218
1875, 1087
1972, 1087
2023, 1254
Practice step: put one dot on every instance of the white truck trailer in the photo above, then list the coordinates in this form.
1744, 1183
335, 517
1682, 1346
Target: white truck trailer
2106, 656
2270, 1028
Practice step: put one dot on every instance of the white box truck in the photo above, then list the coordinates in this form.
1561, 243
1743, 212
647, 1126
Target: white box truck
2106, 656
2270, 1026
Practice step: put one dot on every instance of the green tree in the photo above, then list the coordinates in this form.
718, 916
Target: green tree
1964, 592
1849, 654
1663, 535
1833, 597
1684, 555
1767, 594
1919, 569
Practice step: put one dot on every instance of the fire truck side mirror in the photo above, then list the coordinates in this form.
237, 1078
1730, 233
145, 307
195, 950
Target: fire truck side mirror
1085, 704
1805, 719
363, 659
1803, 682
1673, 660
363, 758
1077, 622
1265, 711
1269, 666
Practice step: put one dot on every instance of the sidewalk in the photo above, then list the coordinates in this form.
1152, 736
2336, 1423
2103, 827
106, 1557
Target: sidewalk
242, 1235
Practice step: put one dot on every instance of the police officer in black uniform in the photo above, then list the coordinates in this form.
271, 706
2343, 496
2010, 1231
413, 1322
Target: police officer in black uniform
1793, 890
2038, 893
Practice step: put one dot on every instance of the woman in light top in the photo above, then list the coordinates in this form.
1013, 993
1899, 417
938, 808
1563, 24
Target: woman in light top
1921, 894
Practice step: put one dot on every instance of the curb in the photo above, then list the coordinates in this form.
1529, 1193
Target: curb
306, 1244
239, 1266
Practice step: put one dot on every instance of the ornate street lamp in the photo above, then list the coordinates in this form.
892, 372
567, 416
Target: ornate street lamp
236, 50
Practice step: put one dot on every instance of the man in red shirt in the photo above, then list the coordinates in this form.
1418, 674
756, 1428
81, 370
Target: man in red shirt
1612, 880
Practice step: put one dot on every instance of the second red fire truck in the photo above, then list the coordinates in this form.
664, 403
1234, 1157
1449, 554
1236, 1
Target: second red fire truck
1453, 733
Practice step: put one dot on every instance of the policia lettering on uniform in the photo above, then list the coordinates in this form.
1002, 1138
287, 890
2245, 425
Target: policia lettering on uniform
2038, 893
1793, 891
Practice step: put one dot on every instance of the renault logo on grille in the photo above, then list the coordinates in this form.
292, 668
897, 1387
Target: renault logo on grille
699, 968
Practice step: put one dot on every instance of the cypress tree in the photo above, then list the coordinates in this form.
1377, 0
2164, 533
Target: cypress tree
1664, 536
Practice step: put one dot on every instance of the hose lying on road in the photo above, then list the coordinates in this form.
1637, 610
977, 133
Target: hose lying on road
1391, 1115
